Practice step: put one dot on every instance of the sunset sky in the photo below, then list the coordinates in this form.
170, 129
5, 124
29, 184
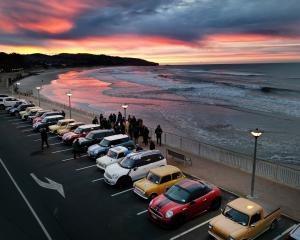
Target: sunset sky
164, 31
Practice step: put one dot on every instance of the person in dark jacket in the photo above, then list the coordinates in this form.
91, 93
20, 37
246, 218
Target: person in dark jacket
145, 135
95, 120
63, 113
158, 132
76, 147
44, 137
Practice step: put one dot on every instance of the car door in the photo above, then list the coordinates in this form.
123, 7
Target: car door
256, 226
165, 183
199, 202
138, 170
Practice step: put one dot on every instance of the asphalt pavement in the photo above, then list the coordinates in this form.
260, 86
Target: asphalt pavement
49, 195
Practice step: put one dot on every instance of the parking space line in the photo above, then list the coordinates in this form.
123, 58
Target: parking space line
191, 229
19, 123
142, 212
27, 130
53, 144
33, 134
14, 120
98, 179
23, 126
64, 150
116, 194
79, 169
36, 140
26, 201
69, 159
285, 232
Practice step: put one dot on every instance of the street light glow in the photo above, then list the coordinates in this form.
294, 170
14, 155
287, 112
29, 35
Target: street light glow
256, 133
18, 83
38, 88
125, 106
69, 93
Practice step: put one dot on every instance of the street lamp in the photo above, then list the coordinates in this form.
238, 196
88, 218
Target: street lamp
256, 134
125, 106
18, 86
38, 90
69, 94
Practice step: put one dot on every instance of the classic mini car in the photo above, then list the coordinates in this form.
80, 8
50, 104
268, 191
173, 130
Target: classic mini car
61, 124
81, 131
98, 150
294, 234
114, 155
243, 219
69, 128
158, 181
21, 107
24, 114
7, 102
93, 137
21, 101
39, 113
46, 122
46, 114
183, 201
133, 167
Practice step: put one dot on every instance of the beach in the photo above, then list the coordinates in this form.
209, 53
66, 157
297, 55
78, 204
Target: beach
215, 105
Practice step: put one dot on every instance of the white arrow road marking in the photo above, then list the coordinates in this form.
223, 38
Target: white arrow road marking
50, 185
26, 201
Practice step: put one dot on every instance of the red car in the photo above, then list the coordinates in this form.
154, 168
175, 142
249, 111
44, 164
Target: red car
183, 201
81, 131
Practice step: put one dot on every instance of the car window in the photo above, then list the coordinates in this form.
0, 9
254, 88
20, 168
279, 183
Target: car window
165, 179
121, 155
176, 175
153, 178
145, 160
255, 218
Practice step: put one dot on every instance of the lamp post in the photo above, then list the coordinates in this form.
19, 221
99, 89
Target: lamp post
38, 90
125, 106
18, 86
256, 134
69, 94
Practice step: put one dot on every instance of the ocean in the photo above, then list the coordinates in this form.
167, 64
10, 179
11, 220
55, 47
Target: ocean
215, 104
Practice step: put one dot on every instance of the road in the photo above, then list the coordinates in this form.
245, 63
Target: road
88, 209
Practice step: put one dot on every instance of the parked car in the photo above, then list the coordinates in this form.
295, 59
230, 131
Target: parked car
101, 149
46, 114
21, 101
158, 181
21, 107
32, 111
294, 234
61, 124
184, 201
39, 113
69, 128
243, 219
7, 102
26, 111
93, 137
81, 131
114, 155
3, 96
46, 122
133, 167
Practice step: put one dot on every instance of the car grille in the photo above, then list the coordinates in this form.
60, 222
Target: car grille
158, 214
139, 191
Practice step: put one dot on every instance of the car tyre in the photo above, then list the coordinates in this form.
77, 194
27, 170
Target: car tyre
124, 181
216, 204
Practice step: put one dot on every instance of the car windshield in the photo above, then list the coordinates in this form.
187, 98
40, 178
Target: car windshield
153, 178
90, 136
44, 120
105, 143
236, 216
128, 162
112, 154
178, 194
78, 130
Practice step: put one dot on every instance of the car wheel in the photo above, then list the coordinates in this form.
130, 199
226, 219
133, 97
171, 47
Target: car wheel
216, 203
124, 181
274, 224
152, 196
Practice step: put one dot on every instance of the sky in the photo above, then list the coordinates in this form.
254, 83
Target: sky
164, 31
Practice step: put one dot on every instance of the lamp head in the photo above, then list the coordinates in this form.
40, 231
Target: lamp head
256, 133
38, 88
69, 93
125, 106
18, 83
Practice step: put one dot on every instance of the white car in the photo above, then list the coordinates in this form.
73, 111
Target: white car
8, 102
113, 155
133, 167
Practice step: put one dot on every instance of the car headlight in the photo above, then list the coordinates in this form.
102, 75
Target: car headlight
210, 226
231, 238
169, 214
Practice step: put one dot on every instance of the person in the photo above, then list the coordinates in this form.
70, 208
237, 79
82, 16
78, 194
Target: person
152, 145
145, 135
158, 132
136, 133
76, 148
95, 120
44, 137
63, 113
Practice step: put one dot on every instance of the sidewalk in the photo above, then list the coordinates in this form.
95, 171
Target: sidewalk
238, 182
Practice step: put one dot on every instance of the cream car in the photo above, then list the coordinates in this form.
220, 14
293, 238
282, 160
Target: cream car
113, 155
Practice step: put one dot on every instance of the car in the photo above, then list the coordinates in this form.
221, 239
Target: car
101, 149
46, 114
39, 113
26, 111
61, 124
32, 111
46, 122
93, 137
81, 131
20, 108
21, 101
7, 102
69, 128
158, 181
114, 155
3, 96
184, 201
133, 167
294, 234
243, 219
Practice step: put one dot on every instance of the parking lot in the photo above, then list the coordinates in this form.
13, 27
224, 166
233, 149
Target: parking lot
83, 206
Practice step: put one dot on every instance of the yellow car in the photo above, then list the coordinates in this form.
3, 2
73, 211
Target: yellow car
70, 127
61, 124
26, 111
158, 181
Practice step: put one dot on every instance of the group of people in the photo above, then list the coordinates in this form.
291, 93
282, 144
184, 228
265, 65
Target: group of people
131, 126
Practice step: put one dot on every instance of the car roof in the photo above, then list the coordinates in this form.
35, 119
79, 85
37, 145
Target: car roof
165, 170
119, 149
86, 126
245, 206
53, 116
101, 130
77, 123
296, 232
66, 120
116, 137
